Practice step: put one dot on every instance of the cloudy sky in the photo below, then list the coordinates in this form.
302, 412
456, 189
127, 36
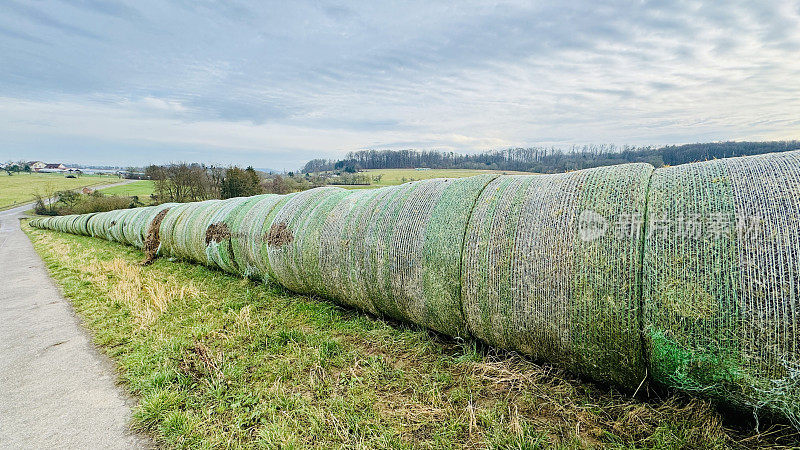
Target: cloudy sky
274, 84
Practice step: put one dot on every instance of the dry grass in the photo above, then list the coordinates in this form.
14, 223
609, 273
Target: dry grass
145, 296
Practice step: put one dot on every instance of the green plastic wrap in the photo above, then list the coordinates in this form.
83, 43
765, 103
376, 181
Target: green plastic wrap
551, 269
240, 231
285, 252
134, 222
721, 292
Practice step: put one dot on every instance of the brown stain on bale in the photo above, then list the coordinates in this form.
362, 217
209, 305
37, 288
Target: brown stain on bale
217, 232
153, 240
279, 235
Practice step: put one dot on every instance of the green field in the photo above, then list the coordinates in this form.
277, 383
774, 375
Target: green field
219, 361
393, 177
141, 188
21, 187
399, 176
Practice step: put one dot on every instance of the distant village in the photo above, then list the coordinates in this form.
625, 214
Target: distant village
38, 166
45, 167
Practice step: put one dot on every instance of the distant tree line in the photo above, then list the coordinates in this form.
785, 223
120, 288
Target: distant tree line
545, 159
16, 167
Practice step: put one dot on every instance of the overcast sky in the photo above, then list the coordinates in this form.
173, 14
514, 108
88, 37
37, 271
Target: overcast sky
274, 84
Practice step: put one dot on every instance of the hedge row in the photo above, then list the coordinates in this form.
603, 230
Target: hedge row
689, 273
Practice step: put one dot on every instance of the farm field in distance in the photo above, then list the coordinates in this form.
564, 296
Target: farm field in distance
141, 188
216, 360
399, 176
393, 177
20, 187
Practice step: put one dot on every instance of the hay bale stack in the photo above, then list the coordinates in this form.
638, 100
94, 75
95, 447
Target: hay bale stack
721, 291
550, 270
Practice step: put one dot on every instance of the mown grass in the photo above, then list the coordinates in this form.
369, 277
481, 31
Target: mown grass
218, 361
21, 187
142, 188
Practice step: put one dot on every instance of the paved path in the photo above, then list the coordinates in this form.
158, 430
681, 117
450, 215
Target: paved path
56, 389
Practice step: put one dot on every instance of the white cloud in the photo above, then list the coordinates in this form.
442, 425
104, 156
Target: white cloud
324, 79
162, 105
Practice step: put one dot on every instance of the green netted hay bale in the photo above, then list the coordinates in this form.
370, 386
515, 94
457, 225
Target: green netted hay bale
284, 253
239, 232
148, 220
68, 223
94, 224
550, 270
175, 227
217, 235
82, 224
335, 271
195, 226
167, 227
112, 225
59, 223
190, 231
721, 291
105, 225
117, 227
133, 222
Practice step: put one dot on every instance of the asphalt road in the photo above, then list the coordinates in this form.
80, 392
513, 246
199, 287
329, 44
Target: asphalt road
56, 389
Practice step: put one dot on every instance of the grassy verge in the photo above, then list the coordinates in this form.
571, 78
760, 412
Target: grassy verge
21, 187
219, 361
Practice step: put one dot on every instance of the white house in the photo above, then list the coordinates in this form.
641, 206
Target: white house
36, 165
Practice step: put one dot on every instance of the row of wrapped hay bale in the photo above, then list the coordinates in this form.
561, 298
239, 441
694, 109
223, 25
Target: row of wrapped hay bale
688, 274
